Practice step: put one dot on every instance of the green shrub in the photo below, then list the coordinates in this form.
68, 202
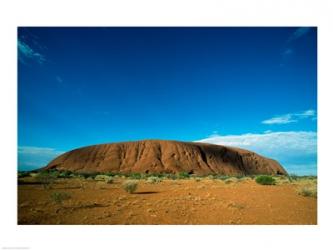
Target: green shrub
46, 178
265, 180
65, 174
183, 175
130, 186
87, 175
22, 174
110, 174
59, 197
136, 176
159, 175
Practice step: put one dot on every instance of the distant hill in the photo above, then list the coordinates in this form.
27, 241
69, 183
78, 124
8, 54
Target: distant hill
159, 156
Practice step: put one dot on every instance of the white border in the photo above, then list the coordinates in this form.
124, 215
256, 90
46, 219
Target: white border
163, 13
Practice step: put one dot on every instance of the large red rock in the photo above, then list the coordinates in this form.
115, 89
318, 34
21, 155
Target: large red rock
158, 156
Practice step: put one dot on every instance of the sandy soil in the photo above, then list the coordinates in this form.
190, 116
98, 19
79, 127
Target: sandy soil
168, 202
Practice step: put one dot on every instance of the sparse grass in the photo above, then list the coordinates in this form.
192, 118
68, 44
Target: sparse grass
308, 191
281, 180
59, 197
293, 177
170, 176
159, 175
265, 180
236, 205
231, 180
306, 186
130, 186
221, 177
154, 179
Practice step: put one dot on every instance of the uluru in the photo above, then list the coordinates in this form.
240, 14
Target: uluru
162, 156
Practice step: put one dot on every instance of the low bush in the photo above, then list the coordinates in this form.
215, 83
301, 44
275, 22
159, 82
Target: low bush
183, 175
100, 177
221, 177
153, 179
170, 176
109, 180
159, 175
265, 180
105, 178
307, 191
110, 174
130, 186
46, 178
22, 174
65, 174
59, 197
87, 175
136, 176
230, 180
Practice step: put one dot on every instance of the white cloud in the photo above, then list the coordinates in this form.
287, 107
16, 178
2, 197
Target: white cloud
306, 113
35, 157
292, 148
283, 119
290, 118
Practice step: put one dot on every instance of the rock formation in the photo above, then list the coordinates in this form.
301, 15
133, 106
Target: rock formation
158, 156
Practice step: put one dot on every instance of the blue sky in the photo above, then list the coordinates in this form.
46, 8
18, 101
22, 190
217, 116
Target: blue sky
254, 88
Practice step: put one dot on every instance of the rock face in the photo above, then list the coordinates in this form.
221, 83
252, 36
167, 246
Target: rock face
157, 156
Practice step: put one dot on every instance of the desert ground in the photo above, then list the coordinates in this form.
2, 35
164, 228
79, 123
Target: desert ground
189, 201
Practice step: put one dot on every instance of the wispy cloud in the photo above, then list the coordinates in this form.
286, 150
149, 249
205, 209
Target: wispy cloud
295, 150
307, 113
35, 157
283, 119
59, 79
298, 33
25, 52
287, 52
291, 117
